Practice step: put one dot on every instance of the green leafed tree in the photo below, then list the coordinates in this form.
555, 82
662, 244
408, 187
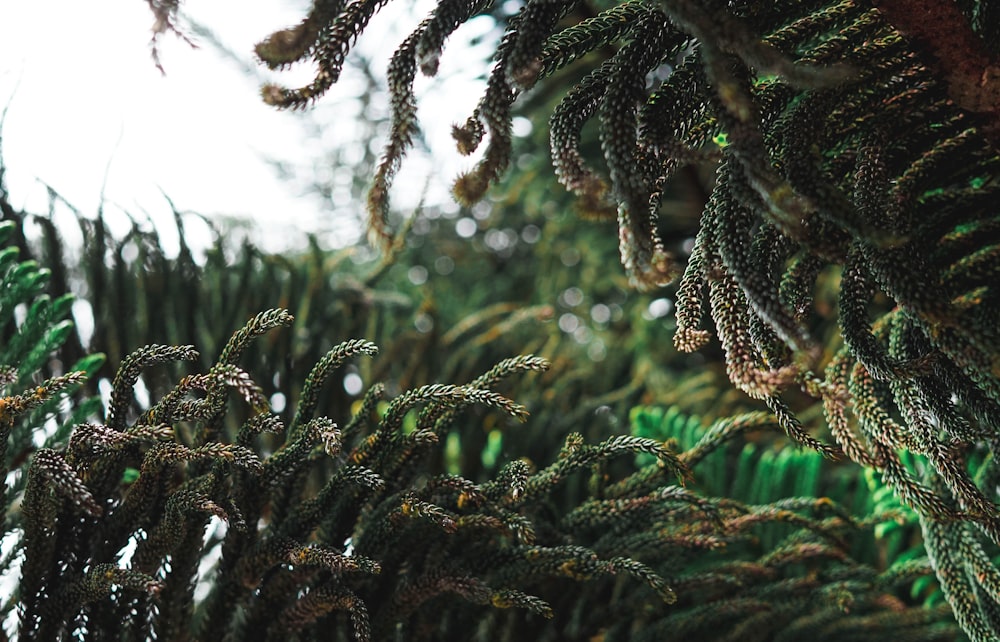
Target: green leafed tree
854, 141
810, 183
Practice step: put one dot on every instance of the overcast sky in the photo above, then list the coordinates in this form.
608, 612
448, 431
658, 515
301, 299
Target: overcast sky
86, 104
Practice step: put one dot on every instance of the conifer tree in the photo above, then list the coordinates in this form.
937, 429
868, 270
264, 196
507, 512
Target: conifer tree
848, 136
854, 146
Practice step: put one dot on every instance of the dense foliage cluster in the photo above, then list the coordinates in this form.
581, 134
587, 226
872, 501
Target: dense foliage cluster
182, 519
858, 136
845, 252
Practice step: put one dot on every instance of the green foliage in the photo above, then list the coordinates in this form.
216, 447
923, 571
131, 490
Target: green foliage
147, 466
36, 391
202, 516
762, 469
445, 328
35, 411
845, 254
384, 543
377, 526
768, 487
851, 140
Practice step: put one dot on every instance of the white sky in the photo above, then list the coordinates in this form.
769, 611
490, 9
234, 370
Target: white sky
83, 92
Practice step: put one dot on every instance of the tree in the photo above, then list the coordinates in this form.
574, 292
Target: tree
366, 529
854, 153
854, 136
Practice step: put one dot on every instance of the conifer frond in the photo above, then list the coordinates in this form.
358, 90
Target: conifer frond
50, 471
127, 375
255, 327
849, 136
595, 542
850, 232
318, 375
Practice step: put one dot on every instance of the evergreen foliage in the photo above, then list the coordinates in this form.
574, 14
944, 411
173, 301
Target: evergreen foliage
558, 550
846, 255
854, 136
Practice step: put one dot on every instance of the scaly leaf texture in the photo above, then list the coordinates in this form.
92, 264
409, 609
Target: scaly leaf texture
852, 138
